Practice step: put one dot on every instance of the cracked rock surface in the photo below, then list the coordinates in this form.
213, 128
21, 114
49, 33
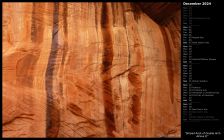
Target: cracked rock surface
90, 70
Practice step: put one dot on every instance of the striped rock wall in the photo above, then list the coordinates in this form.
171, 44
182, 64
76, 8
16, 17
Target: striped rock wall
89, 70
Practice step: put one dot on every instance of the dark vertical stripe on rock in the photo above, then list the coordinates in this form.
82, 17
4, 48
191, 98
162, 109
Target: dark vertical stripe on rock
96, 13
65, 23
114, 12
37, 28
136, 57
123, 11
135, 80
33, 24
169, 63
106, 71
134, 77
52, 115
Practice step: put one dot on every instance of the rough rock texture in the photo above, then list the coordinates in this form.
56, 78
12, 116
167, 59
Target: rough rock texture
160, 11
89, 70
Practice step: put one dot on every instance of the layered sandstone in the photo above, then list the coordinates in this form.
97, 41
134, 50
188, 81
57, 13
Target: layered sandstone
90, 70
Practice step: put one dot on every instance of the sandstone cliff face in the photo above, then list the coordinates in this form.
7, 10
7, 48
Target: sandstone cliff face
89, 70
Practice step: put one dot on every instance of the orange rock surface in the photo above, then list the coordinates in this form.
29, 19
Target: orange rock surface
90, 70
